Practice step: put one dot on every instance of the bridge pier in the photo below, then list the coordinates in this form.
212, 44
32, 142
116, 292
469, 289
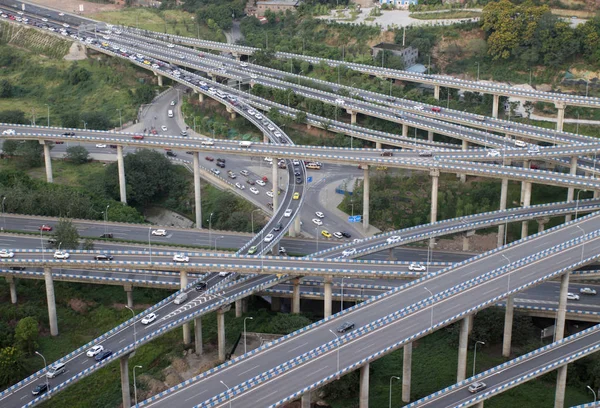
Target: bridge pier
200, 97
560, 117
495, 103
183, 282
296, 296
198, 335
231, 112
508, 323
436, 92
238, 308
559, 333
363, 401
352, 116
542, 223
463, 342
121, 166
275, 304
377, 145
160, 80
327, 302
465, 147
13, 289
435, 178
125, 389
275, 176
465, 240
526, 202
51, 301
430, 135
366, 198
503, 199
404, 130
129, 293
266, 138
305, 400
406, 372
197, 190
47, 161
571, 190
391, 256
221, 333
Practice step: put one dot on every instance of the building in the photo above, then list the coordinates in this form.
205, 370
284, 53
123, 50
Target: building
400, 3
409, 54
275, 6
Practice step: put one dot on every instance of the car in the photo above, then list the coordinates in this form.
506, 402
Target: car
69, 134
436, 109
107, 235
346, 235
101, 145
349, 252
244, 172
220, 160
149, 318
45, 228
40, 389
201, 286
56, 370
339, 101
61, 255
44, 20
65, 25
61, 14
320, 214
326, 234
299, 180
240, 186
270, 194
415, 267
243, 64
159, 232
258, 116
220, 164
173, 103
254, 190
296, 162
9, 132
338, 235
181, 258
231, 174
587, 291
94, 350
296, 196
493, 153
387, 153
288, 213
104, 355
252, 250
171, 153
269, 238
282, 251
520, 143
215, 171
224, 274
6, 254
103, 257
209, 158
171, 45
425, 153
317, 221
261, 183
393, 240
572, 296
140, 137
346, 326
418, 107
268, 159
278, 227
164, 128
477, 386
533, 149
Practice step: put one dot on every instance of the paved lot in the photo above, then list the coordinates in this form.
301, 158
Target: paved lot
72, 6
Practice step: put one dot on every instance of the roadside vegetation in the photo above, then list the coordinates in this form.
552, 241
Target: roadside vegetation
450, 14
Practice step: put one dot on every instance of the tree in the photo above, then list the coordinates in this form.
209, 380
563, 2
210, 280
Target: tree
27, 334
9, 147
13, 116
29, 154
77, 154
66, 234
12, 368
6, 89
88, 244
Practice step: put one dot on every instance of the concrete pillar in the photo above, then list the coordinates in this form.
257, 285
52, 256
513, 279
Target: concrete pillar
404, 130
561, 383
508, 322
296, 296
559, 332
275, 181
436, 92
327, 303
125, 389
526, 203
391, 256
406, 372
13, 289
275, 304
571, 190
366, 198
200, 97
560, 117
221, 334
129, 292
48, 162
478, 405
596, 193
305, 401
183, 282
121, 166
231, 112
297, 225
377, 145
51, 301
503, 199
160, 80
435, 178
238, 308
430, 136
496, 102
245, 305
542, 223
197, 190
198, 335
352, 117
364, 387
465, 147
266, 138
463, 342
465, 242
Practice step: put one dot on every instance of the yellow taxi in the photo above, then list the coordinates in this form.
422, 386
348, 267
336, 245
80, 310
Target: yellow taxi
326, 234
296, 196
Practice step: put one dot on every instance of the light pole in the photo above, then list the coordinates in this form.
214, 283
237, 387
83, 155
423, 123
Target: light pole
106, 219
252, 218
430, 293
593, 392
3, 216
228, 389
209, 229
317, 234
245, 318
42, 242
477, 71
150, 243
48, 106
301, 71
342, 305
338, 349
583, 245
508, 284
84, 125
475, 354
134, 329
120, 119
216, 241
45, 365
576, 203
134, 384
391, 378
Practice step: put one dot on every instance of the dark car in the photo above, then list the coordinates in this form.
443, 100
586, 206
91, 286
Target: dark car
201, 286
17, 268
113, 146
69, 134
387, 153
107, 235
103, 257
103, 355
209, 158
251, 182
296, 173
346, 326
171, 153
221, 164
278, 227
298, 180
346, 235
39, 389
220, 160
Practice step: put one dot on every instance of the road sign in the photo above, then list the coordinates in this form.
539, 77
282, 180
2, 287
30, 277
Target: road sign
309, 179
355, 218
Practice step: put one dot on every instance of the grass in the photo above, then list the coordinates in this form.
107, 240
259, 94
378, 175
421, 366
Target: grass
450, 14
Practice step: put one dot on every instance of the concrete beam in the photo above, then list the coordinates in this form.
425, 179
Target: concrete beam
125, 389
463, 342
51, 301
121, 166
364, 387
48, 162
406, 372
366, 195
13, 289
198, 335
197, 190
327, 302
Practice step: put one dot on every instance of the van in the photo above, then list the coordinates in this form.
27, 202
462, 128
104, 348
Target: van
56, 370
170, 113
182, 297
245, 143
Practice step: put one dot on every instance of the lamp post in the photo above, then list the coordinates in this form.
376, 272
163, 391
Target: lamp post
301, 71
84, 125
583, 245
45, 365
245, 318
120, 119
431, 294
477, 70
209, 229
317, 234
42, 242
475, 354
134, 384
216, 241
134, 329
338, 349
228, 389
576, 202
508, 284
150, 243
391, 378
106, 219
342, 304
252, 218
593, 392
48, 106
3, 216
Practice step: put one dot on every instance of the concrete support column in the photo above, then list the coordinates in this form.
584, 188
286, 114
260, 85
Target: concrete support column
200, 97
496, 102
48, 162
366, 195
327, 303
183, 282
436, 92
296, 296
197, 190
238, 308
526, 203
559, 331
465, 242
435, 178
571, 190
561, 383
465, 147
391, 256
231, 112
121, 166
221, 334
352, 117
508, 323
377, 145
305, 401
560, 117
542, 223
596, 193
275, 181
404, 130
13, 289
125, 390
266, 138
478, 405
198, 335
275, 304
406, 372
129, 293
430, 136
160, 80
245, 305
503, 199
51, 301
463, 342
363, 401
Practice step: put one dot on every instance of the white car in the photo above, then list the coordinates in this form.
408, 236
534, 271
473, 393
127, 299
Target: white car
270, 194
572, 296
269, 238
101, 145
253, 76
415, 267
61, 255
180, 258
349, 252
171, 45
149, 318
288, 213
243, 64
296, 162
583, 291
44, 20
394, 239
254, 190
533, 149
271, 127
317, 221
251, 112
5, 254
269, 159
339, 101
160, 232
65, 25
92, 352
520, 143
164, 128
338, 235
207, 143
240, 186
418, 107
10, 132
320, 214
244, 172
261, 183
493, 153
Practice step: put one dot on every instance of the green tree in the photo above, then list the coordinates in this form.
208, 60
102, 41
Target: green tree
9, 147
88, 244
13, 116
12, 368
27, 334
6, 89
66, 234
77, 155
29, 154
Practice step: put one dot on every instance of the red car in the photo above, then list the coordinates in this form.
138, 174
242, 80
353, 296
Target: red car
45, 228
436, 109
210, 158
138, 137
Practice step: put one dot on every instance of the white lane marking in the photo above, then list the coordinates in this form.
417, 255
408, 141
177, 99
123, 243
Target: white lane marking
250, 369
195, 396
267, 395
296, 348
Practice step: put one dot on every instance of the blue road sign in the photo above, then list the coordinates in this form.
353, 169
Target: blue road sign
309, 179
355, 218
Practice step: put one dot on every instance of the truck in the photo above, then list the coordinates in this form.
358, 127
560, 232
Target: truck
245, 143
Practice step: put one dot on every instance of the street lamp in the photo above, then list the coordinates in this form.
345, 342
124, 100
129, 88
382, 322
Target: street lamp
106, 219
134, 384
134, 330
583, 245
576, 203
593, 392
228, 389
252, 218
391, 378
338, 349
342, 305
508, 284
150, 243
84, 125
3, 216
45, 365
245, 318
216, 241
120, 119
475, 354
301, 71
477, 71
209, 229
430, 293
